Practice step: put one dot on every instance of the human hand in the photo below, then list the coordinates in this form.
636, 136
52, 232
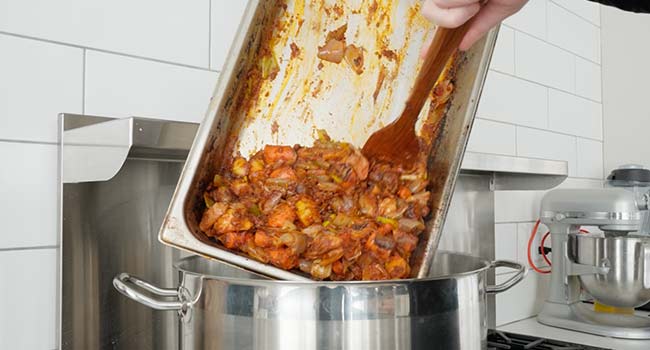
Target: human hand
454, 13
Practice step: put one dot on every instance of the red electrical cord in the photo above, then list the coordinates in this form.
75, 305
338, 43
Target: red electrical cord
541, 246
530, 243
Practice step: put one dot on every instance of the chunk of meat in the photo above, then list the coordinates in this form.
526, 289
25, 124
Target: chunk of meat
397, 267
279, 154
262, 239
359, 164
232, 220
211, 215
379, 245
283, 258
281, 216
322, 244
284, 172
405, 242
374, 271
368, 204
333, 51
320, 271
233, 240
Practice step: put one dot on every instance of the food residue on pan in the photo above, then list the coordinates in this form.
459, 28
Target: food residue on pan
389, 54
334, 47
295, 50
335, 50
325, 210
297, 247
380, 82
354, 57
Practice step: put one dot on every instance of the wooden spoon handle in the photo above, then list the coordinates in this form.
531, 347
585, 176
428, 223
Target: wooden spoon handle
445, 43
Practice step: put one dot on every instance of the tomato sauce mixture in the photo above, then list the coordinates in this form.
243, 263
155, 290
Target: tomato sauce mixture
325, 209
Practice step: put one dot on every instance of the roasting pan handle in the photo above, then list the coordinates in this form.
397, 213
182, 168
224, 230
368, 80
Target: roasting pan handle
132, 287
521, 273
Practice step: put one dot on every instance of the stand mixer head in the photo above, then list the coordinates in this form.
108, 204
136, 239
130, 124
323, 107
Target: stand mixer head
613, 267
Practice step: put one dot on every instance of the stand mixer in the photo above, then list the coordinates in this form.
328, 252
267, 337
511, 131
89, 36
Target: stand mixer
613, 267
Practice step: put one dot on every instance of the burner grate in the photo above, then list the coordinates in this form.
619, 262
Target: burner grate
498, 340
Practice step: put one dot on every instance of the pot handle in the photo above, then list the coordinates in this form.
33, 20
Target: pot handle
131, 287
521, 273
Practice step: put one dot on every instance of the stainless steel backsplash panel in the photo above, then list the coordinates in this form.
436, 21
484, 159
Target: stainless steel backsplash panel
110, 226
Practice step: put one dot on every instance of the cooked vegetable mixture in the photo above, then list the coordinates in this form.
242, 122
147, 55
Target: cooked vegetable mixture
325, 210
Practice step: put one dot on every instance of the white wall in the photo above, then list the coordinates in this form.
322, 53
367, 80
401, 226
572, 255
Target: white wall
114, 58
161, 58
626, 81
542, 99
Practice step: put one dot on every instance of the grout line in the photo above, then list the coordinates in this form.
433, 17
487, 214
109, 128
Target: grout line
83, 84
517, 141
559, 4
578, 162
548, 108
602, 94
537, 128
30, 142
29, 248
209, 34
575, 73
514, 51
515, 222
546, 20
545, 85
551, 44
108, 51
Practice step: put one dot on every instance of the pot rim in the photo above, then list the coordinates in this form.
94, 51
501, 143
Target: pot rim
265, 280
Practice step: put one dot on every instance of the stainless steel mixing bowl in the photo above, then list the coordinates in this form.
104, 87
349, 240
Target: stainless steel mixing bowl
627, 281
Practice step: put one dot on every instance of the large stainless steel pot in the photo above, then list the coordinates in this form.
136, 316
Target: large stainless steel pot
224, 307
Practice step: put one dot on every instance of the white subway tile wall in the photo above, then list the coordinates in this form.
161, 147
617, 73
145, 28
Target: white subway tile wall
120, 86
588, 79
29, 299
168, 30
28, 200
161, 59
590, 162
512, 100
36, 78
484, 133
535, 143
225, 21
573, 33
574, 116
583, 9
505, 243
545, 81
543, 63
503, 58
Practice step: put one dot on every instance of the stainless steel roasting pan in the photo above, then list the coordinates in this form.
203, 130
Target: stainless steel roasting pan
250, 110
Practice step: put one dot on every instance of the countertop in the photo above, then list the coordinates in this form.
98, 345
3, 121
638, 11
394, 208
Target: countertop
530, 326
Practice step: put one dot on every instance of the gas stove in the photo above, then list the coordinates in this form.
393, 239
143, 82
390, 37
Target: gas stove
502, 340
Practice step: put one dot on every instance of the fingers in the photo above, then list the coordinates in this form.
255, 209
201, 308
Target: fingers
445, 4
450, 17
490, 16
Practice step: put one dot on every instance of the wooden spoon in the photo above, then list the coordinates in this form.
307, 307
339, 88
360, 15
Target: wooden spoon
397, 142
